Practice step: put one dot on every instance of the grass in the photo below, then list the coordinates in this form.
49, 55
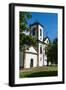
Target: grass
39, 72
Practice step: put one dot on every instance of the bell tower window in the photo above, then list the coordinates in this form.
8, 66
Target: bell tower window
33, 31
41, 49
40, 32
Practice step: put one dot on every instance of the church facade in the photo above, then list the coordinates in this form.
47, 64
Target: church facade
35, 56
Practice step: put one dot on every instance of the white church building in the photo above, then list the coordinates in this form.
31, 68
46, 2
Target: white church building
35, 57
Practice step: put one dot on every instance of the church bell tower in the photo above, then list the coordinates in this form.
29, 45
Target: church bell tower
37, 32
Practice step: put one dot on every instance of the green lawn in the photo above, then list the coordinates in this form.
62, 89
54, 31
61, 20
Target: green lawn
39, 72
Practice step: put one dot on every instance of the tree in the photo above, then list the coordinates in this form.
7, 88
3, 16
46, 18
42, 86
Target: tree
55, 50
23, 23
23, 20
52, 52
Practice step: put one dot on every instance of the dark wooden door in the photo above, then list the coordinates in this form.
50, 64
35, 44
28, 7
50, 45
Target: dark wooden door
31, 63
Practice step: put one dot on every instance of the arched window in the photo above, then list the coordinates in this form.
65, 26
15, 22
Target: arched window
40, 32
33, 31
41, 49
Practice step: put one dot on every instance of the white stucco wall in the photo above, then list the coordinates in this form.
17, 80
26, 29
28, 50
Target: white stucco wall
47, 41
40, 37
40, 55
45, 60
45, 56
41, 60
28, 60
30, 54
31, 49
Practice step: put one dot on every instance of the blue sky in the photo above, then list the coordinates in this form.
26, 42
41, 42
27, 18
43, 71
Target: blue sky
49, 21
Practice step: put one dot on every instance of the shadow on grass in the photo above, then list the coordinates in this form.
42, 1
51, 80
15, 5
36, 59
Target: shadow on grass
40, 74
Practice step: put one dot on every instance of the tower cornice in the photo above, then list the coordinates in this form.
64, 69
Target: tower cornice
36, 23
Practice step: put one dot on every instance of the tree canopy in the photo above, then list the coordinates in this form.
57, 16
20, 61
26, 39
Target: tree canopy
23, 23
52, 51
23, 20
